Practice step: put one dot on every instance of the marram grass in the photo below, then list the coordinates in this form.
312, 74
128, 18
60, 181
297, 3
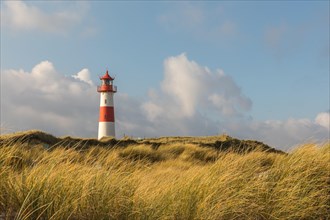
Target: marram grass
175, 181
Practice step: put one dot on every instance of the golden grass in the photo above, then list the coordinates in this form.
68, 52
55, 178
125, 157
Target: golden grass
173, 181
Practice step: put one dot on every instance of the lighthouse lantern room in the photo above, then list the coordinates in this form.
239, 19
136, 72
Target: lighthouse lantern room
107, 114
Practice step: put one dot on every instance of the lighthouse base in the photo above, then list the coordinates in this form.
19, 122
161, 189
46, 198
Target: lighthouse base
106, 129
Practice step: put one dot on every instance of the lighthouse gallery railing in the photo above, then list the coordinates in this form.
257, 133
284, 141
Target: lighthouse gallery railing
107, 88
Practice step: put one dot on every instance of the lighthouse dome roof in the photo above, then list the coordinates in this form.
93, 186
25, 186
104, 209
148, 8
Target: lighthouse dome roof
107, 76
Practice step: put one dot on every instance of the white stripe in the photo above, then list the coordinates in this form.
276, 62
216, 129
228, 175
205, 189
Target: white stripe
106, 129
106, 99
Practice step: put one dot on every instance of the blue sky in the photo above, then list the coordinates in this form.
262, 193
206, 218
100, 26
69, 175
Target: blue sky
273, 57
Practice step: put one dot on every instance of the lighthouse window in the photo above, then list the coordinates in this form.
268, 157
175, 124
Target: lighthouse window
105, 101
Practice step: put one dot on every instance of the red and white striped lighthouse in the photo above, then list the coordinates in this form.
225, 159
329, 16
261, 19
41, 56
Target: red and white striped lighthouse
107, 114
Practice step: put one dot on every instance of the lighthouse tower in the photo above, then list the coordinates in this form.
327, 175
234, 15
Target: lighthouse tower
107, 115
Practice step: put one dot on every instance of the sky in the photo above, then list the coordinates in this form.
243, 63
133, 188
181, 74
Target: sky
249, 69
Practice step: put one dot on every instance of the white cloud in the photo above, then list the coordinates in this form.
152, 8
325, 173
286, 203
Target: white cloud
45, 99
196, 101
287, 133
188, 87
191, 100
152, 110
323, 119
20, 15
84, 75
183, 82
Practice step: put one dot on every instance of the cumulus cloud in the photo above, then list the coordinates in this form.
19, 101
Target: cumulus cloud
283, 134
193, 100
19, 15
84, 75
190, 100
45, 99
323, 119
188, 87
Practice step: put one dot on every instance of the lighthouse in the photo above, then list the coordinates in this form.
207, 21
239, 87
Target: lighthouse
107, 114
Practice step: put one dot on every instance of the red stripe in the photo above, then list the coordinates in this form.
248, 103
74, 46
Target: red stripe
107, 114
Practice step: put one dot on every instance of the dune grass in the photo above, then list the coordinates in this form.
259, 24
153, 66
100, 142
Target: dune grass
175, 181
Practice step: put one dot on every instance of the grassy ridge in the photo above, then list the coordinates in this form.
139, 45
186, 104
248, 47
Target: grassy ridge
174, 180
222, 143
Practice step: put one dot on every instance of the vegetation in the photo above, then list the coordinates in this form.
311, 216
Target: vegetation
45, 177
